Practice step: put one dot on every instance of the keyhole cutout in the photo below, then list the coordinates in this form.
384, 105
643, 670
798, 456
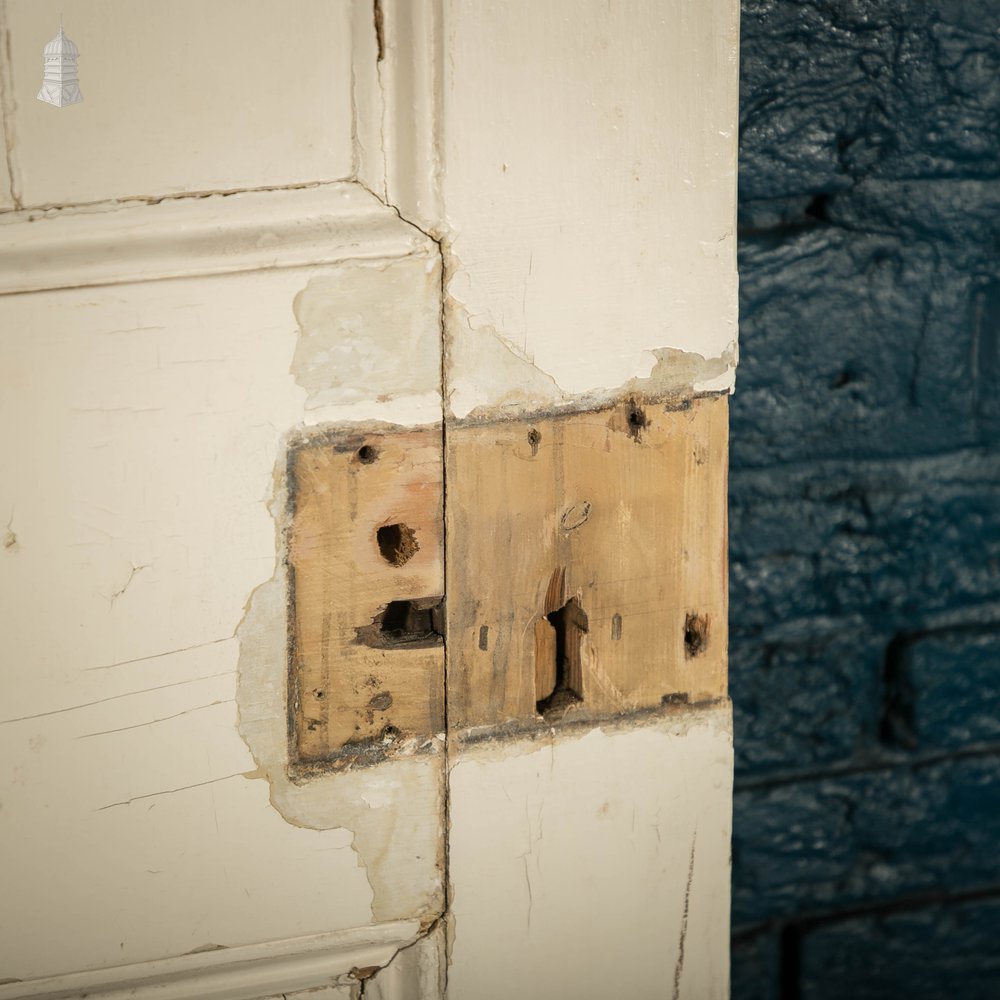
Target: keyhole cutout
559, 667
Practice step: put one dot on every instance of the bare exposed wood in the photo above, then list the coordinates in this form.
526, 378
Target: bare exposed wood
607, 527
588, 574
365, 554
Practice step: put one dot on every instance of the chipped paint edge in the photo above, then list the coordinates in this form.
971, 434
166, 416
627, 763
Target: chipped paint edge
476, 391
313, 799
672, 373
481, 743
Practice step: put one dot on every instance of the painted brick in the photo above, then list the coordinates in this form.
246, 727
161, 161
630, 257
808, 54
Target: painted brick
949, 688
865, 496
802, 704
893, 541
851, 345
837, 89
925, 953
756, 965
985, 350
829, 843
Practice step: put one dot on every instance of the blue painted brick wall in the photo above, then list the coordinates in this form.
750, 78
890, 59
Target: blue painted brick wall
865, 502
890, 952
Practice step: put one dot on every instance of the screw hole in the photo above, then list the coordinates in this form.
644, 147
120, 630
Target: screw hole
534, 439
367, 454
637, 420
695, 635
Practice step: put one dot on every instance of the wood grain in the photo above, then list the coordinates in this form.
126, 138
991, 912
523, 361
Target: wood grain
623, 509
366, 652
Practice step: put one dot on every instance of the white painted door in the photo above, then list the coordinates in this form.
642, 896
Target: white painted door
369, 257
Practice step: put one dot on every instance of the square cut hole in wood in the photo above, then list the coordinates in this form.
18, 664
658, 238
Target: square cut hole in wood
366, 610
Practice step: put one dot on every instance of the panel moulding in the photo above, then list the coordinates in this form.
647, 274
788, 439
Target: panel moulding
117, 243
397, 94
244, 973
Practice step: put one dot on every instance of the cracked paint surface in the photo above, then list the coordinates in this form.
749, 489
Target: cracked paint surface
629, 245
122, 724
617, 831
390, 813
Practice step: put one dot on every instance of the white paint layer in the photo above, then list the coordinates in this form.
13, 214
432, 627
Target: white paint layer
397, 87
588, 158
417, 972
7, 199
393, 811
185, 96
143, 424
594, 865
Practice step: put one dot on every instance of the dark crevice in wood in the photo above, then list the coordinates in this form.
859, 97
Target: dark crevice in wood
379, 18
569, 623
637, 420
695, 635
415, 624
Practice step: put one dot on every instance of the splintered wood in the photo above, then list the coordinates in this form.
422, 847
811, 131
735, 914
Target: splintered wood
366, 670
587, 563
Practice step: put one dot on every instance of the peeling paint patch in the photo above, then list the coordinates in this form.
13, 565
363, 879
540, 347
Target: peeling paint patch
489, 377
684, 373
416, 970
394, 814
369, 330
488, 373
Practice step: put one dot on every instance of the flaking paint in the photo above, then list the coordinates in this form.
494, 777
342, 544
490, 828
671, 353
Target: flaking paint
489, 377
370, 331
391, 813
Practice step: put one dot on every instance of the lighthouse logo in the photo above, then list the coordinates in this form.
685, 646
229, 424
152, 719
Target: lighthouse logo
60, 85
